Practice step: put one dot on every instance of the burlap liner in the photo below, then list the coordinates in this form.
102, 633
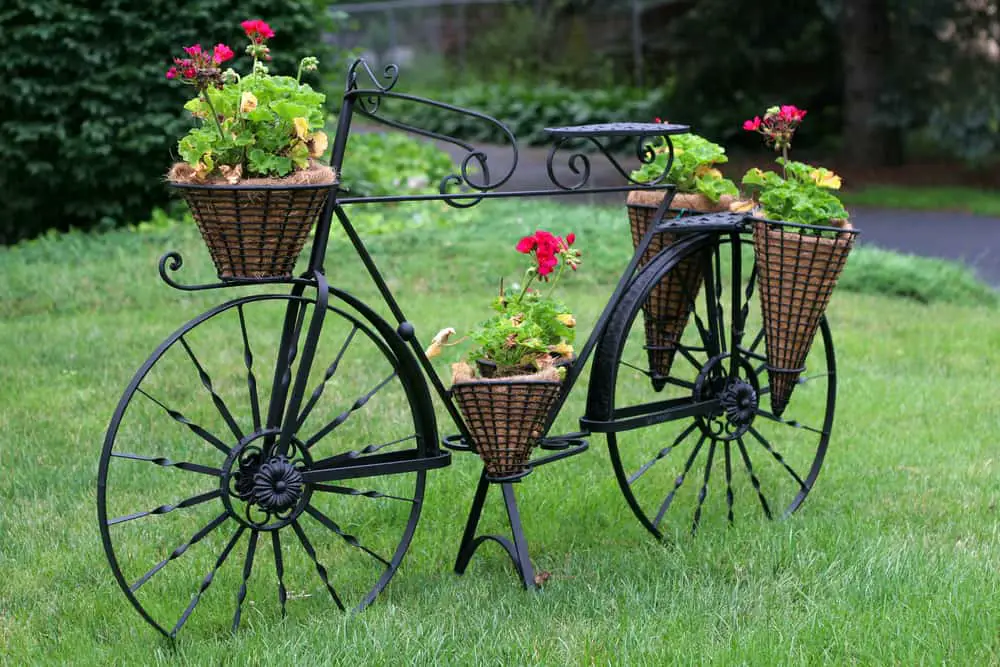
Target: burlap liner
255, 233
796, 276
316, 174
669, 304
505, 416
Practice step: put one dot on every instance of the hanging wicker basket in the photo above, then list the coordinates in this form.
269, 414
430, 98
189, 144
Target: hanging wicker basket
668, 307
257, 229
796, 276
505, 417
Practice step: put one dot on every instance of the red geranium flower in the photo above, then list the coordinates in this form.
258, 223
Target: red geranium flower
257, 30
221, 54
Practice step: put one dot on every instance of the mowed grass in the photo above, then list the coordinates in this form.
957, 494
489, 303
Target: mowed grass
978, 201
892, 559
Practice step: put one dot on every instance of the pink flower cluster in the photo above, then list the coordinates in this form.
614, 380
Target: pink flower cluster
547, 249
199, 62
778, 125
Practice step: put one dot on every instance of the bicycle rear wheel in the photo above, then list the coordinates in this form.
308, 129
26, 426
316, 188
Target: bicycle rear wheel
690, 434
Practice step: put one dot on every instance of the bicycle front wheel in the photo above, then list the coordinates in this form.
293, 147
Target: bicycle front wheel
204, 516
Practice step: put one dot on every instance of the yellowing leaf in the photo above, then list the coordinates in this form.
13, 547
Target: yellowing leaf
248, 102
301, 127
742, 206
563, 349
567, 319
707, 170
825, 178
318, 143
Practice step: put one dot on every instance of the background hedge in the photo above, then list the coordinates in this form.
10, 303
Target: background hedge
89, 121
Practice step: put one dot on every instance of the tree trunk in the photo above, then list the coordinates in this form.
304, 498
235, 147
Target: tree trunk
866, 48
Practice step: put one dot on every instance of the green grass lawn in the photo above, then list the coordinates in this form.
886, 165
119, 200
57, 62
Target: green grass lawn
968, 200
893, 559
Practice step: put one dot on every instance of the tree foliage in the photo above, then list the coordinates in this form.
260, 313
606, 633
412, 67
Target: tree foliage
90, 121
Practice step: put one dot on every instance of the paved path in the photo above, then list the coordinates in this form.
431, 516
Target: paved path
972, 239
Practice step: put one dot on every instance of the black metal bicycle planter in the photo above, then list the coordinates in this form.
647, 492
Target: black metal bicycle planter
317, 437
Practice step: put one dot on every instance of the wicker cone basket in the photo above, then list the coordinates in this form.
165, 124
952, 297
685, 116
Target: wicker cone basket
668, 308
506, 417
797, 274
258, 228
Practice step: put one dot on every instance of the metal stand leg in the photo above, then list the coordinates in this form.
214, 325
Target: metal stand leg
517, 550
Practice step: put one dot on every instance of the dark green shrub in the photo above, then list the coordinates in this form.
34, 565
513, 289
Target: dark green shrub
90, 124
527, 110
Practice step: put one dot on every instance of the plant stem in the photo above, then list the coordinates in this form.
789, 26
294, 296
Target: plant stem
215, 116
784, 168
529, 276
562, 267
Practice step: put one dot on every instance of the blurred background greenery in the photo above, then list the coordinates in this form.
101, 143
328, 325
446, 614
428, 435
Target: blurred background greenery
90, 122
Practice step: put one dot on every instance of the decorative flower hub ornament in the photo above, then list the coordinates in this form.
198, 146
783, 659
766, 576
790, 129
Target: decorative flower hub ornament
737, 394
277, 485
264, 490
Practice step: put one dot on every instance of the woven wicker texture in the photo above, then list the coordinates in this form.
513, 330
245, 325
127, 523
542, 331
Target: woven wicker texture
796, 276
668, 307
505, 419
253, 233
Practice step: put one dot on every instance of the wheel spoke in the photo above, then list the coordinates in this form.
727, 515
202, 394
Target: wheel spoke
167, 463
307, 545
686, 353
713, 295
778, 457
342, 417
163, 509
206, 381
330, 372
279, 568
757, 340
350, 539
662, 453
753, 478
355, 453
703, 493
195, 428
729, 484
247, 569
207, 581
744, 312
348, 491
283, 367
251, 378
179, 551
787, 422
680, 480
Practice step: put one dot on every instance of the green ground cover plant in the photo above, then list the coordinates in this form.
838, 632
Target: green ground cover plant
891, 560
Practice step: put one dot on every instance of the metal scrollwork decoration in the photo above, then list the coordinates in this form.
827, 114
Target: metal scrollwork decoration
579, 162
474, 175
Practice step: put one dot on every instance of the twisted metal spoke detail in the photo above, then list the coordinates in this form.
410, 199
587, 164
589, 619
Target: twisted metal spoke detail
754, 481
348, 491
206, 381
164, 509
320, 570
251, 378
356, 453
207, 581
662, 453
179, 551
349, 539
247, 569
330, 372
195, 428
778, 457
788, 422
343, 416
703, 493
729, 483
679, 481
167, 463
279, 569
